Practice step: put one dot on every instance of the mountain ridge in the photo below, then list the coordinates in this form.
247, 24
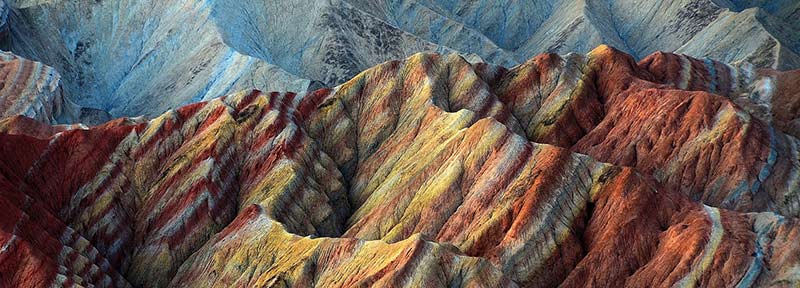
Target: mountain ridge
109, 68
429, 162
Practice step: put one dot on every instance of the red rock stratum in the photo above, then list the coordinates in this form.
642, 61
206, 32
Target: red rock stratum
582, 170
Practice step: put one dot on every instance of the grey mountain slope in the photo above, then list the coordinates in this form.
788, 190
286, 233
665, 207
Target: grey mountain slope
434, 25
786, 10
138, 57
134, 57
329, 41
741, 37
576, 26
141, 57
508, 23
661, 25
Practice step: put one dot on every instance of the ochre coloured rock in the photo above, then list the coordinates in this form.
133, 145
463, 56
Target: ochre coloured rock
695, 142
583, 170
767, 94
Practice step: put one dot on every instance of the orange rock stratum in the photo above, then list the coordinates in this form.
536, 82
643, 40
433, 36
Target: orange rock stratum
577, 170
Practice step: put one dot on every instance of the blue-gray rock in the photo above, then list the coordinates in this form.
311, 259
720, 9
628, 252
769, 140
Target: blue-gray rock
133, 57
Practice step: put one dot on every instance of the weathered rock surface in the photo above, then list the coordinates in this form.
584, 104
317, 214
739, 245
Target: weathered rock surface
109, 51
429, 171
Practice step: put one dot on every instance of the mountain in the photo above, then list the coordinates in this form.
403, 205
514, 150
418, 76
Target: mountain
109, 52
582, 170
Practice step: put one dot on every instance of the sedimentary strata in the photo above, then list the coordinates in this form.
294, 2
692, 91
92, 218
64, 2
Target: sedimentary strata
584, 170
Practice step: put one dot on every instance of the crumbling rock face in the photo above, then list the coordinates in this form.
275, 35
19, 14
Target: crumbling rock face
584, 170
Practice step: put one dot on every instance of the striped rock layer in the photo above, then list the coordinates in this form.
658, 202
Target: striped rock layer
32, 89
583, 170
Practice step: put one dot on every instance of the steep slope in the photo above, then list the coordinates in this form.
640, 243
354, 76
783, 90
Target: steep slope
201, 49
787, 10
418, 172
649, 26
743, 36
575, 26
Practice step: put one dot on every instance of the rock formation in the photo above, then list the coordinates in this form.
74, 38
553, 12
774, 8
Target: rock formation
109, 51
582, 170
34, 90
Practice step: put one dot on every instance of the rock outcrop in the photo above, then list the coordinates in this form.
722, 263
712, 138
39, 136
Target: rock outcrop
607, 106
583, 170
109, 51
766, 94
34, 90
